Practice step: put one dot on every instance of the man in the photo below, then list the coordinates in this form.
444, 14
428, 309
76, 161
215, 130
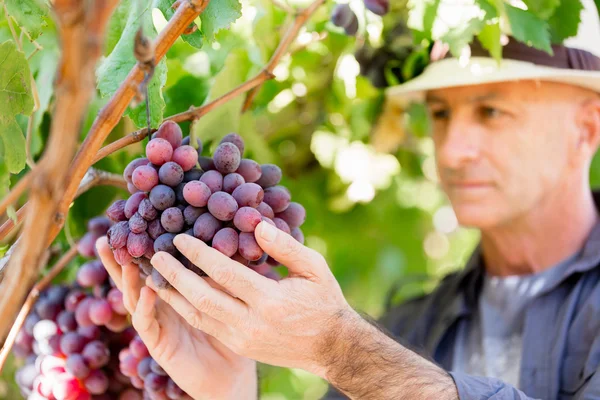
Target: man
513, 150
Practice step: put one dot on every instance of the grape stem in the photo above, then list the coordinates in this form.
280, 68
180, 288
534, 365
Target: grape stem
34, 294
251, 85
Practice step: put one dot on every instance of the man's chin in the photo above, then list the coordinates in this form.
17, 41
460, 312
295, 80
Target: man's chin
476, 216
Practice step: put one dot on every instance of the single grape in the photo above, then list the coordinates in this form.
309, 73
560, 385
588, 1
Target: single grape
67, 387
51, 346
157, 369
116, 212
352, 29
266, 210
145, 265
73, 298
379, 7
30, 322
87, 245
96, 354
66, 321
91, 332
232, 181
143, 367
187, 141
173, 391
138, 348
206, 226
250, 170
72, 342
282, 225
24, 340
115, 299
77, 366
260, 261
248, 194
117, 235
248, 247
186, 157
294, 215
138, 243
171, 132
278, 198
133, 203
98, 226
206, 163
214, 180
137, 224
47, 309
226, 241
246, 219
222, 206
235, 139
147, 210
122, 256
191, 214
227, 158
159, 151
271, 175
171, 174
165, 243
100, 291
118, 323
192, 175
82, 312
172, 220
159, 280
298, 235
155, 229
145, 178
197, 193
131, 188
129, 365
96, 382
26, 376
128, 172
162, 197
100, 312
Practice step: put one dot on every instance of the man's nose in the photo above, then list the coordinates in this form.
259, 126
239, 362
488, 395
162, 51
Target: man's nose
459, 144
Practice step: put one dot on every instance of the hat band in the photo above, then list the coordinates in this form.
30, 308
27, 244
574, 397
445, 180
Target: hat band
564, 57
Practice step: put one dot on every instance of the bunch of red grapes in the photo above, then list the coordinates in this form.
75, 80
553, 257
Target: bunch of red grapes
76, 340
344, 17
219, 200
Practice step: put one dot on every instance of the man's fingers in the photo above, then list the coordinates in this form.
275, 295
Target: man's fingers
106, 256
241, 281
144, 319
299, 259
132, 284
200, 294
188, 312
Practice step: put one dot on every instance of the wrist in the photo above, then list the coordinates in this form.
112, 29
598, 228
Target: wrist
245, 386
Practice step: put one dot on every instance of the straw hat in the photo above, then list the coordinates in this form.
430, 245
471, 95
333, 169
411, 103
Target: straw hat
576, 62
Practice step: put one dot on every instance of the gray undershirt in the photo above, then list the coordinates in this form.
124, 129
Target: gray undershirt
489, 344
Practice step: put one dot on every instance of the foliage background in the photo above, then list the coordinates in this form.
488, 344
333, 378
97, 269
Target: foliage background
363, 169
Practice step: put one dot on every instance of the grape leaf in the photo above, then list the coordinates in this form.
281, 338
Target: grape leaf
460, 37
542, 8
13, 142
194, 39
115, 68
31, 15
489, 37
529, 29
421, 17
15, 81
597, 5
219, 15
564, 23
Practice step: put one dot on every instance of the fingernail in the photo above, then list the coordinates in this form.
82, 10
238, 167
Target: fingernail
267, 231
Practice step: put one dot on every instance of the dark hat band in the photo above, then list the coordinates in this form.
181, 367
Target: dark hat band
564, 57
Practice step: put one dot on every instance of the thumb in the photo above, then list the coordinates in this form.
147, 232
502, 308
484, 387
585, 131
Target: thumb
299, 259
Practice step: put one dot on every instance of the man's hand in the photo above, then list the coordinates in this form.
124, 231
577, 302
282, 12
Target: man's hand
285, 323
199, 364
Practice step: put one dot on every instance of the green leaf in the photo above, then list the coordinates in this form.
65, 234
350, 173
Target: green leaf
460, 37
115, 68
529, 29
226, 118
15, 81
219, 15
422, 15
13, 142
564, 23
31, 15
4, 176
195, 39
542, 8
489, 37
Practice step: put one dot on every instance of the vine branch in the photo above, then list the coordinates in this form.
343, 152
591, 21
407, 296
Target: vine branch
34, 294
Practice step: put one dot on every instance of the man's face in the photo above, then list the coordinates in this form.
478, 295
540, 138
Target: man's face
502, 148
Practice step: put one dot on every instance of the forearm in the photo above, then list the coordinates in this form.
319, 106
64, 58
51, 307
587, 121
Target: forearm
362, 362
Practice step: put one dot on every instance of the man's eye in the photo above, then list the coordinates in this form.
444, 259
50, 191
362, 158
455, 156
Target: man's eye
490, 112
440, 114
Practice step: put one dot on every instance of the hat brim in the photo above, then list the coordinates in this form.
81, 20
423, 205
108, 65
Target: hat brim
481, 70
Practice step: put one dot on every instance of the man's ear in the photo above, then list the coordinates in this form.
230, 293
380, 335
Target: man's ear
588, 123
